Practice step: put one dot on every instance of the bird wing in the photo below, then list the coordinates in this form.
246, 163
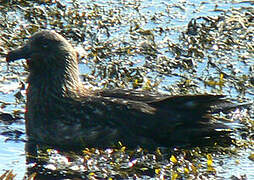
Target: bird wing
200, 103
133, 95
152, 117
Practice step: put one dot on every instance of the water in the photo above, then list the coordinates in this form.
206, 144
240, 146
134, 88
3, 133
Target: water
12, 154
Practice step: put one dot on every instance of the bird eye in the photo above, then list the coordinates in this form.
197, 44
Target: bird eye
45, 45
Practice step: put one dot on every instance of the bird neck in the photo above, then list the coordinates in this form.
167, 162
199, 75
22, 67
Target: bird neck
64, 82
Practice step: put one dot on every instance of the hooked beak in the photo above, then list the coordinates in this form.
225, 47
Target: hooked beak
20, 53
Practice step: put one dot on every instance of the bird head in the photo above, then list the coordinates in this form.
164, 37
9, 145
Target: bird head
45, 51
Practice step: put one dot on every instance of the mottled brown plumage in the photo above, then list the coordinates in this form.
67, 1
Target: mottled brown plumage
60, 111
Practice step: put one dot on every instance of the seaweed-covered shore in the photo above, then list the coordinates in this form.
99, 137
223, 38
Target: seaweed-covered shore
176, 47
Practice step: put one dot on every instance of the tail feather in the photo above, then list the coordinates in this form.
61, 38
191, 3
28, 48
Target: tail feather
192, 121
